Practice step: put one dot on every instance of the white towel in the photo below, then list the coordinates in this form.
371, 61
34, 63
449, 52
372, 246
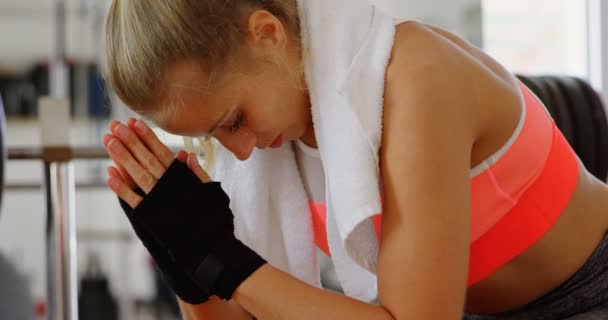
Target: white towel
347, 47
271, 209
403, 9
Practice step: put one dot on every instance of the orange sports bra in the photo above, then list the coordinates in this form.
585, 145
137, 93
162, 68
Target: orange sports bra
517, 194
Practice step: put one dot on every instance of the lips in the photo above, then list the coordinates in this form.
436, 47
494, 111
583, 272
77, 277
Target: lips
278, 142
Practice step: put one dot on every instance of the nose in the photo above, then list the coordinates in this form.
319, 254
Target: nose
241, 146
243, 153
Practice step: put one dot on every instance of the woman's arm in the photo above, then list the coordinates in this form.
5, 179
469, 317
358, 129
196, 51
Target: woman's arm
431, 124
429, 130
185, 310
273, 294
214, 309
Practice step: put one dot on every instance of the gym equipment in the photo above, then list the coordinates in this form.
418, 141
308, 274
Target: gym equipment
15, 297
561, 109
3, 149
59, 188
579, 113
95, 301
600, 126
581, 117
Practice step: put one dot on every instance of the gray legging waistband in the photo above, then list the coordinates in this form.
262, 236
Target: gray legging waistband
582, 297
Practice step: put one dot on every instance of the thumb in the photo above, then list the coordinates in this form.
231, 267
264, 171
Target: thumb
193, 164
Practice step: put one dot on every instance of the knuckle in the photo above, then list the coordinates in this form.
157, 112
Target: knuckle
127, 138
147, 135
167, 154
119, 158
126, 176
149, 161
167, 162
146, 180
151, 135
134, 200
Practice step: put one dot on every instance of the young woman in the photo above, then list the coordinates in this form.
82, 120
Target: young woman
236, 75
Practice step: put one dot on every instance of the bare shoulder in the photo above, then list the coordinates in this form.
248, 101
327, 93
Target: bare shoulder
455, 82
419, 47
432, 89
417, 42
431, 75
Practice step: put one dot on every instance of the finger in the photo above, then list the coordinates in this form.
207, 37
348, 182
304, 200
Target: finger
197, 169
123, 173
113, 172
182, 156
131, 122
140, 152
119, 153
126, 177
124, 192
106, 139
150, 139
113, 124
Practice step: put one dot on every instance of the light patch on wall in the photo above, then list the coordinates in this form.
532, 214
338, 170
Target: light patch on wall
541, 36
462, 17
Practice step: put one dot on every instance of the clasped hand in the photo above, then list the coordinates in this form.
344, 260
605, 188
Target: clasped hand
179, 214
140, 160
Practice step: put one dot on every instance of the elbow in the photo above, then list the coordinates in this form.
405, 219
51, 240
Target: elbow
387, 314
417, 314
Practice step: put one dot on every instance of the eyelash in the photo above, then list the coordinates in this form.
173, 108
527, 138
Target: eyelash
236, 125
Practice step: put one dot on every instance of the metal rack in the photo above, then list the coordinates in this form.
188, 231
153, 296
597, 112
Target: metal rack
61, 235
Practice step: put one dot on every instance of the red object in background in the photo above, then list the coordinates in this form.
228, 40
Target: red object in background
40, 308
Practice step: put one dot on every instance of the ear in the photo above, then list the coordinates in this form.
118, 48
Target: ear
266, 31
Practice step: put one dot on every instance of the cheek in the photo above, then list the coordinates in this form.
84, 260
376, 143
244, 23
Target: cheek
240, 142
260, 116
273, 109
258, 123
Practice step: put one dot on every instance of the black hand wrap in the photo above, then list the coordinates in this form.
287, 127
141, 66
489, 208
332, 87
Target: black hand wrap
188, 228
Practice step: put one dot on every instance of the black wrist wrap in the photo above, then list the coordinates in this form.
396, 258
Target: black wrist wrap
188, 228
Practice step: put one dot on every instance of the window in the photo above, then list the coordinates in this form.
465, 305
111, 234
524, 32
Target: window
538, 37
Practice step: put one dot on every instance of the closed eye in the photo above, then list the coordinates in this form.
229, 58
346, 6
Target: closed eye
236, 125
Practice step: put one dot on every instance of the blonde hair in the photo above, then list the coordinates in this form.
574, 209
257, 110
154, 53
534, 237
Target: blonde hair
143, 37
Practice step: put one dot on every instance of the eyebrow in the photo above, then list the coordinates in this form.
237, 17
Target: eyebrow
222, 119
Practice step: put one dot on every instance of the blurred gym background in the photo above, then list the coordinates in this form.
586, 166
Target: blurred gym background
54, 48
